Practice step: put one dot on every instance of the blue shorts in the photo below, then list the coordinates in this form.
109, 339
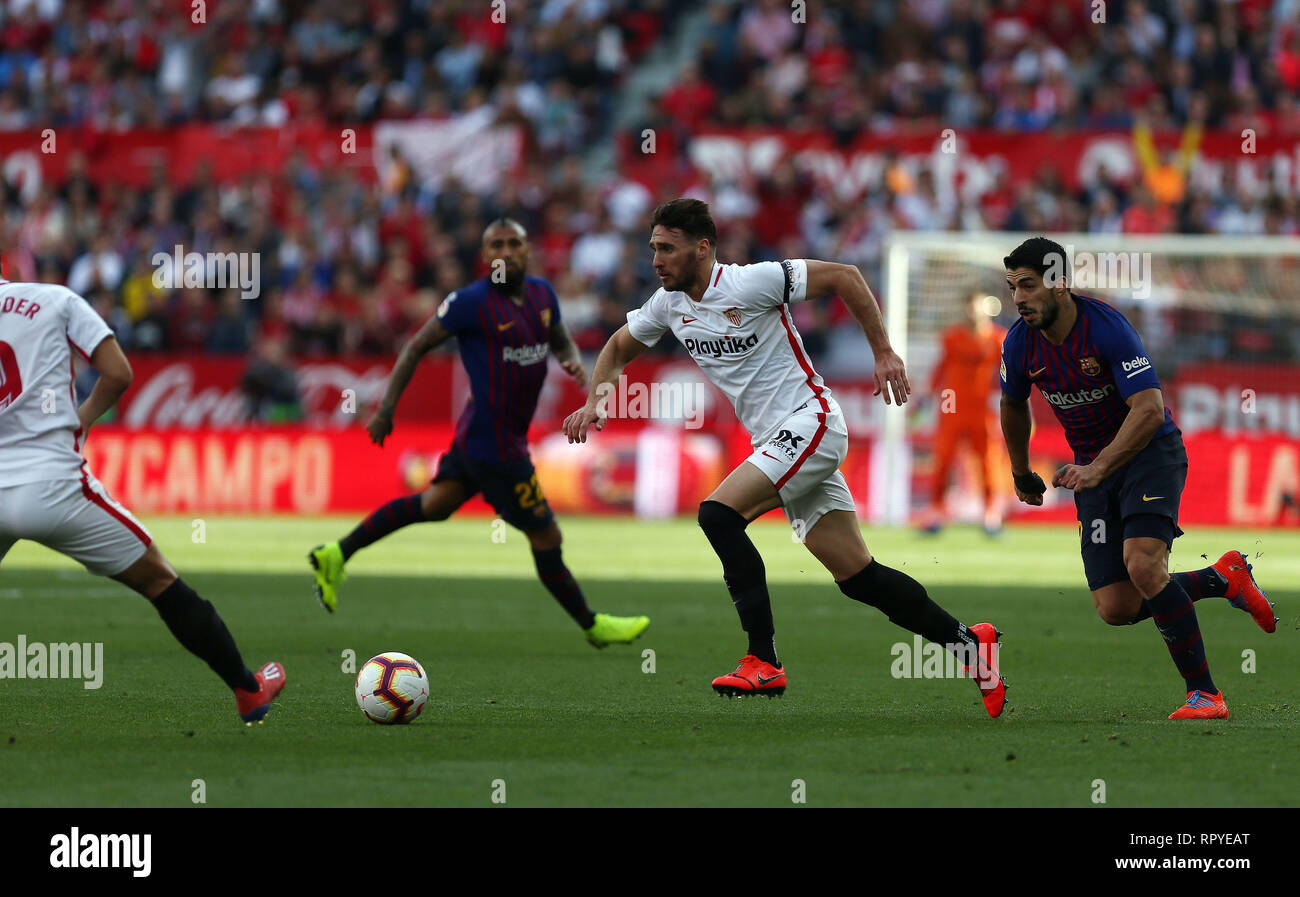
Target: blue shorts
1140, 499
510, 487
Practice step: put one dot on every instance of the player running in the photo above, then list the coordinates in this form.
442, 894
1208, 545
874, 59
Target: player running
735, 321
1129, 463
506, 332
48, 495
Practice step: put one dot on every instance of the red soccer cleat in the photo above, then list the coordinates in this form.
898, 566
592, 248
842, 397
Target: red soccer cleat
254, 705
752, 677
1202, 705
993, 688
1243, 593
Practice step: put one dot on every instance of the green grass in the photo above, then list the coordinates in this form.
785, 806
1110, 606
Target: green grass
519, 696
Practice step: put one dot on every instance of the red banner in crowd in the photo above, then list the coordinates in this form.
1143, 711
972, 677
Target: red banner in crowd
470, 147
970, 161
132, 157
965, 159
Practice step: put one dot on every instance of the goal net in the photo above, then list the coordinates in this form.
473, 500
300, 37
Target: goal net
1219, 317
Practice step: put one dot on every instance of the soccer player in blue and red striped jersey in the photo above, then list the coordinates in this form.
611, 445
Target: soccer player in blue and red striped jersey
1129, 467
507, 325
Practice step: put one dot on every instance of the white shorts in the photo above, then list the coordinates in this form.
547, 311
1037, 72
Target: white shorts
74, 517
802, 459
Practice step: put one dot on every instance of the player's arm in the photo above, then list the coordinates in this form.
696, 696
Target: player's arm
566, 353
114, 371
621, 348
431, 335
1017, 425
846, 281
1146, 412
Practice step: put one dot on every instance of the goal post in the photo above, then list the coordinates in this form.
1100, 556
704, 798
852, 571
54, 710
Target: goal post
1195, 299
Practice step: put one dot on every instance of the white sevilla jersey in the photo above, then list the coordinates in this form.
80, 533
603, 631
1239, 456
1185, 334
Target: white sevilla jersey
40, 325
742, 336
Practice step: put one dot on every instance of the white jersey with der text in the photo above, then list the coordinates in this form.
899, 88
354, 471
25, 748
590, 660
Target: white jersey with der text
742, 335
41, 324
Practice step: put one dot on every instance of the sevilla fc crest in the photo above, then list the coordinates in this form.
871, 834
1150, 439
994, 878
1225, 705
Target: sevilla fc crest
733, 315
1090, 366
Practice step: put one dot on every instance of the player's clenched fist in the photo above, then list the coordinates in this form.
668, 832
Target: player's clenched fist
380, 426
1029, 487
576, 424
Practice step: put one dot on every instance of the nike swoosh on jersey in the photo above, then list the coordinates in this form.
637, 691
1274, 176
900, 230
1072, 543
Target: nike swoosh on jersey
505, 326
1033, 374
686, 320
1146, 497
773, 457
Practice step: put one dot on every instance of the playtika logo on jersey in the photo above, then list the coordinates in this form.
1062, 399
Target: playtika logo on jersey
727, 347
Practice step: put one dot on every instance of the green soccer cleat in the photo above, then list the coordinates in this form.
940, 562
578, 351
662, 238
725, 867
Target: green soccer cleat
609, 630
327, 561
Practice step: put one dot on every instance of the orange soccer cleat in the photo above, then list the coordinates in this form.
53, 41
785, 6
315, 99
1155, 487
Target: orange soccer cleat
751, 677
1243, 593
1202, 705
993, 688
254, 705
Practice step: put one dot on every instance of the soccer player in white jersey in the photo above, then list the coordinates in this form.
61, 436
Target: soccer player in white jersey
735, 321
48, 495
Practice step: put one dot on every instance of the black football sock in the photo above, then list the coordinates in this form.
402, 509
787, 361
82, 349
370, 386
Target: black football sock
1198, 584
907, 604
745, 575
197, 625
560, 583
1175, 617
396, 514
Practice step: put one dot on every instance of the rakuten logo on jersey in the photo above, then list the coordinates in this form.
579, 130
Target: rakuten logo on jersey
525, 355
1082, 397
730, 346
1137, 365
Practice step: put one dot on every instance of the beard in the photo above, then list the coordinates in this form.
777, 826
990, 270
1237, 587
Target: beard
514, 280
1047, 317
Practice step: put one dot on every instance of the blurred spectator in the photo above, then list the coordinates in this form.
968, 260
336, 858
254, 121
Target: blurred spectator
229, 331
271, 384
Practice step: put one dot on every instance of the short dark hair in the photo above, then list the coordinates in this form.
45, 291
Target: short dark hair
690, 216
1039, 254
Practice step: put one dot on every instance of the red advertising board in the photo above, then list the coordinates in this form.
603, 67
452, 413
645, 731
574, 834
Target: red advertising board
310, 471
183, 442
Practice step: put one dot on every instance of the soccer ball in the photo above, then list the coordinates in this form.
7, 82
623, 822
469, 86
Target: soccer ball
392, 688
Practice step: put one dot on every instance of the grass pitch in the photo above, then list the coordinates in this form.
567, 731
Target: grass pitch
519, 698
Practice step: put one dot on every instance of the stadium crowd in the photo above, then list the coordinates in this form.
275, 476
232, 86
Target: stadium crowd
350, 267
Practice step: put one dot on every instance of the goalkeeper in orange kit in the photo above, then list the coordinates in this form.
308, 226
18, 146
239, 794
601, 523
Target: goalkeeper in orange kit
962, 384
